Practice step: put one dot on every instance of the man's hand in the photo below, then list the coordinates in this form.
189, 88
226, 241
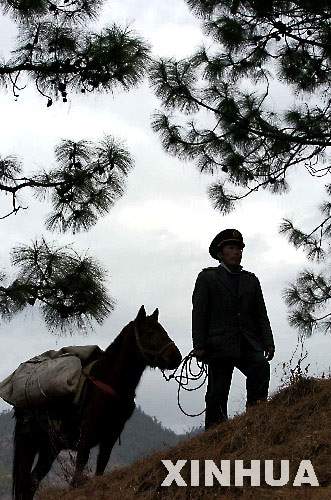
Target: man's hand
269, 353
200, 354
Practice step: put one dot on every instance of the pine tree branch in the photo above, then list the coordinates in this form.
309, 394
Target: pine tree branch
279, 134
323, 317
319, 226
29, 183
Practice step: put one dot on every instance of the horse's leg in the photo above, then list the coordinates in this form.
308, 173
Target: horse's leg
105, 449
106, 445
83, 454
25, 449
47, 455
89, 429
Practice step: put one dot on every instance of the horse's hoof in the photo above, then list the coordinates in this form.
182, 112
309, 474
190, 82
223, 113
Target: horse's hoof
78, 481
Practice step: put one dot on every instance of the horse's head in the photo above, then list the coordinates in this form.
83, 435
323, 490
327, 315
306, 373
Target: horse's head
153, 342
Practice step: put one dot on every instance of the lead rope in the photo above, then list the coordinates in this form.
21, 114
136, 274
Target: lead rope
186, 366
184, 379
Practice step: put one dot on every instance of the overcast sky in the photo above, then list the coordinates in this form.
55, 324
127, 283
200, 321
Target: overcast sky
155, 240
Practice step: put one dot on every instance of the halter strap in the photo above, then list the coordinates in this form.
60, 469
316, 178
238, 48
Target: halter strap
145, 351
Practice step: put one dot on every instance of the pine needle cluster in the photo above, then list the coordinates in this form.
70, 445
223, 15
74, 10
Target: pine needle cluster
69, 288
60, 54
246, 143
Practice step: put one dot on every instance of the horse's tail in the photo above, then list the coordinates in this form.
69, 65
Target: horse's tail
24, 453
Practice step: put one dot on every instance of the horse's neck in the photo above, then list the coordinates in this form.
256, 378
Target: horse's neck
123, 368
127, 372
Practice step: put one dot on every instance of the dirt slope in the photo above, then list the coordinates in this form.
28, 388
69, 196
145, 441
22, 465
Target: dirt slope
294, 425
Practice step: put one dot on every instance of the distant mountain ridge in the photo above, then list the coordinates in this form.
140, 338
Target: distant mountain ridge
142, 435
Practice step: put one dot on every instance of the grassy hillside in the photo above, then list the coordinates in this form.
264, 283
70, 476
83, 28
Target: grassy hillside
295, 425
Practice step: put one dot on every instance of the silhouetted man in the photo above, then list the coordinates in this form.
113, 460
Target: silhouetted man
230, 326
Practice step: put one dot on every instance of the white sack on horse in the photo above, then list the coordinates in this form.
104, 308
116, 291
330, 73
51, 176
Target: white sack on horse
48, 376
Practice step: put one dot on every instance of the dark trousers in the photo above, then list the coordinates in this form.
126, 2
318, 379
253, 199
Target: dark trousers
251, 363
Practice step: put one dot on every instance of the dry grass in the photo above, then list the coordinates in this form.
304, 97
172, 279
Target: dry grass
294, 425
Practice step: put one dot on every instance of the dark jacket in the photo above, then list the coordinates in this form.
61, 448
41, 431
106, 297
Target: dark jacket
221, 315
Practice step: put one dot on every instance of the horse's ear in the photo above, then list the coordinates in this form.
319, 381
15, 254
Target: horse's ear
155, 314
141, 314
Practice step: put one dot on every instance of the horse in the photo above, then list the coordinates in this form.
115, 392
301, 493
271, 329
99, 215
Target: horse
107, 403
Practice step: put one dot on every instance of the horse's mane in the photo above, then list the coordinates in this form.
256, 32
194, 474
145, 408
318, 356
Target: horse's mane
115, 345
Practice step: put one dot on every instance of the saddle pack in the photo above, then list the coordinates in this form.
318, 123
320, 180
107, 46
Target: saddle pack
48, 377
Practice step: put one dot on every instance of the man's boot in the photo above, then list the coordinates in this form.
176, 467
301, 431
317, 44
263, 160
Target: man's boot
214, 415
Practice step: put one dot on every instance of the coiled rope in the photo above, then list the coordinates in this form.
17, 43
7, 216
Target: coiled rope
187, 375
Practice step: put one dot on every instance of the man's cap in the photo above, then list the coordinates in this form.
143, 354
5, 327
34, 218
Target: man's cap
224, 237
